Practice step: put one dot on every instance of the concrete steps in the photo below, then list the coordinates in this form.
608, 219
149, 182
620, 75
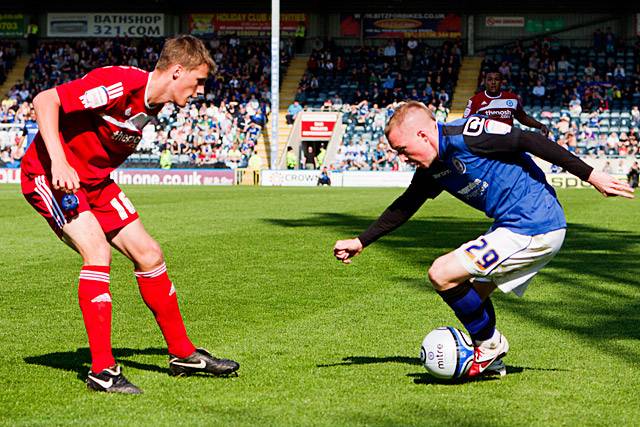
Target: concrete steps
466, 87
288, 89
16, 75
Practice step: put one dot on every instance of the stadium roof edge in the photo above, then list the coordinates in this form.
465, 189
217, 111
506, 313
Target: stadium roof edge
324, 6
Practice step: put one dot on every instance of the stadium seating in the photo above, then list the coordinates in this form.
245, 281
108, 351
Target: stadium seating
381, 76
589, 92
364, 146
365, 83
9, 51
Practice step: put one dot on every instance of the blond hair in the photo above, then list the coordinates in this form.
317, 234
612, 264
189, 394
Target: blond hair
186, 50
400, 114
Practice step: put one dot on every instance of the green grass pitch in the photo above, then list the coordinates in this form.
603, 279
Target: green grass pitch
320, 343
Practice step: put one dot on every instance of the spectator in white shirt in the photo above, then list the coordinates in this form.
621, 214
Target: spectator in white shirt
538, 90
390, 49
564, 65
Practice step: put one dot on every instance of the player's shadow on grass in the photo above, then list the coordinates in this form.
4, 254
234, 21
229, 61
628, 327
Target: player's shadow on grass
78, 361
595, 275
434, 233
368, 360
424, 377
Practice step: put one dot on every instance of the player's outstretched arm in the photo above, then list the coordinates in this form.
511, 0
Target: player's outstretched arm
422, 187
610, 186
553, 153
47, 108
344, 250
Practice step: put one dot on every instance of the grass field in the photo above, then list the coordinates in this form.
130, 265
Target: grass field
320, 343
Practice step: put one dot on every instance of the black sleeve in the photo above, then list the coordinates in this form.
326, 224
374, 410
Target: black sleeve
422, 187
485, 143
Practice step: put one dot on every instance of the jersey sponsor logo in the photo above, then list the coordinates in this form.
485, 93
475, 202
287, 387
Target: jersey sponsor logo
126, 138
474, 189
503, 114
442, 173
496, 128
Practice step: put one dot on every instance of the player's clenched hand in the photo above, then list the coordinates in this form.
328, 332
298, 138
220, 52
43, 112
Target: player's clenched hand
610, 186
64, 177
344, 250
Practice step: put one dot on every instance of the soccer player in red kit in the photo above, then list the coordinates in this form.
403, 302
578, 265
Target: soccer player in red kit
500, 105
87, 128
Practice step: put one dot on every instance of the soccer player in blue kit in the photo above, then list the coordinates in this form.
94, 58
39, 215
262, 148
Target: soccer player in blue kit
483, 163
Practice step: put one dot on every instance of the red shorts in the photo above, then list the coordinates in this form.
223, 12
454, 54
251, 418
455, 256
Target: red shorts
106, 201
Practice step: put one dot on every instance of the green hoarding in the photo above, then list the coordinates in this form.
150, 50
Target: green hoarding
539, 26
12, 25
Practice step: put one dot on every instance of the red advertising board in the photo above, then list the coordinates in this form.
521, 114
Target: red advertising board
9, 176
411, 25
174, 176
241, 24
151, 176
318, 126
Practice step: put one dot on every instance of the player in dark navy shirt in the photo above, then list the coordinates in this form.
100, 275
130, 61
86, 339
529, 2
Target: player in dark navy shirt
485, 164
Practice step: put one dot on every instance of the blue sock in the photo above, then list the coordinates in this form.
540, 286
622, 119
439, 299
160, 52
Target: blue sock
478, 317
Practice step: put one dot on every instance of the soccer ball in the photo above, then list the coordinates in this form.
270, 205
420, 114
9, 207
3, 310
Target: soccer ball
447, 353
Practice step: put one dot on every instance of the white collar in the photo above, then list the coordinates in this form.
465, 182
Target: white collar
492, 97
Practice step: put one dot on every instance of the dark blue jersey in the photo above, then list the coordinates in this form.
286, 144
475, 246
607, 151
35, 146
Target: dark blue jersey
508, 187
485, 164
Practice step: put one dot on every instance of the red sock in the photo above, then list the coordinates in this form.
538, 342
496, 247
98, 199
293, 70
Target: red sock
160, 296
95, 303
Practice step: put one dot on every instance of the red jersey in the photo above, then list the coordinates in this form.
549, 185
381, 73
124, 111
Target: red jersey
101, 123
502, 108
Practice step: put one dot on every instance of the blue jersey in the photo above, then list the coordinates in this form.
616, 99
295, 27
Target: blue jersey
508, 187
485, 164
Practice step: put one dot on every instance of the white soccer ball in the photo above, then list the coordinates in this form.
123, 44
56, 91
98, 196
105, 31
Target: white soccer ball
447, 353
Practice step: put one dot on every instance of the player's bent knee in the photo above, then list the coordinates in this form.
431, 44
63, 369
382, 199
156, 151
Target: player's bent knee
151, 257
99, 253
435, 276
438, 275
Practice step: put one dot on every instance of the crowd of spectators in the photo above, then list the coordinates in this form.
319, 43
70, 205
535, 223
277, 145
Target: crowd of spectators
9, 51
205, 134
364, 146
605, 76
58, 61
599, 133
366, 83
363, 83
381, 74
220, 130
587, 96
